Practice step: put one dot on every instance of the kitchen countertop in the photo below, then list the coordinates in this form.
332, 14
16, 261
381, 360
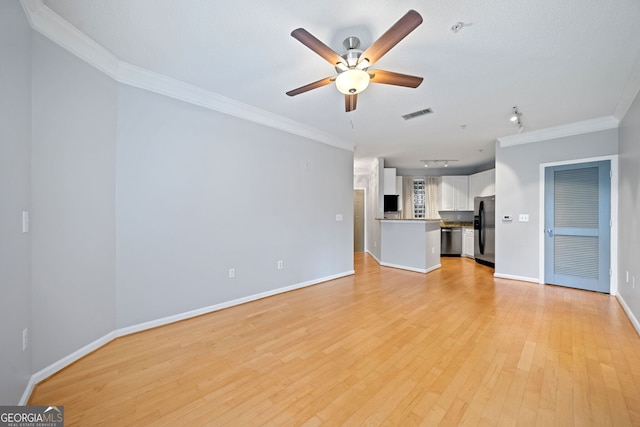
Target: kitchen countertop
408, 219
456, 224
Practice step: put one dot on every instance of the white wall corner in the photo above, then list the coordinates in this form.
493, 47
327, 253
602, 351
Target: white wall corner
374, 257
570, 129
629, 93
63, 363
52, 26
30, 8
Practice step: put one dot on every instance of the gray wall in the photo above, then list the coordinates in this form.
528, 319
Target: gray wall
629, 208
150, 230
518, 191
201, 192
73, 203
15, 135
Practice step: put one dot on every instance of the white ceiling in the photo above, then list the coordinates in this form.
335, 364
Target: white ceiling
560, 62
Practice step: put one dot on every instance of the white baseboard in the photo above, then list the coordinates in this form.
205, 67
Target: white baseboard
630, 315
93, 346
63, 363
209, 309
435, 267
514, 277
417, 270
374, 257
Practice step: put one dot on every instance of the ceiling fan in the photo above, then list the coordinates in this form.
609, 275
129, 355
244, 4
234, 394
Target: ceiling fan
353, 65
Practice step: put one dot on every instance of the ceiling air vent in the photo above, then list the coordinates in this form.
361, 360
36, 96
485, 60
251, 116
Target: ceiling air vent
417, 114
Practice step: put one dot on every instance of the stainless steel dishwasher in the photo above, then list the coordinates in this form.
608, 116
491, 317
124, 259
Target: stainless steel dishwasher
451, 241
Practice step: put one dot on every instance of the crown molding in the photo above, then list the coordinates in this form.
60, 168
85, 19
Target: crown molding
65, 35
58, 30
148, 80
577, 128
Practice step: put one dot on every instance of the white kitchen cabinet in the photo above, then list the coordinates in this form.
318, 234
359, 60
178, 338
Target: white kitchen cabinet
454, 193
389, 183
482, 184
467, 242
474, 187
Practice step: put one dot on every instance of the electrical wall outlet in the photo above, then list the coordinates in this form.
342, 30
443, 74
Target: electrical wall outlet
25, 338
280, 265
232, 273
523, 218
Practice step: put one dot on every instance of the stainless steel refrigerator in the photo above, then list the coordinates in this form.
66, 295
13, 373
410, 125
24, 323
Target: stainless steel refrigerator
484, 228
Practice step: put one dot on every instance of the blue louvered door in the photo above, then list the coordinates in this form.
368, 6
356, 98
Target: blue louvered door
578, 225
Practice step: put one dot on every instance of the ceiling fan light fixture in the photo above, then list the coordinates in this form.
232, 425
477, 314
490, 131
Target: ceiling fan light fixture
341, 67
352, 81
363, 65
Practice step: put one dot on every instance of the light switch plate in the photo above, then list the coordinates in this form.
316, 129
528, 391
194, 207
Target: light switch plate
25, 221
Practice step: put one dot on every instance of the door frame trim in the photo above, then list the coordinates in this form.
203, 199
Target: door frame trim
613, 285
366, 218
364, 213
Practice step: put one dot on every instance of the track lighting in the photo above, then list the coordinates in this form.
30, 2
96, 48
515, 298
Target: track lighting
516, 119
515, 116
437, 163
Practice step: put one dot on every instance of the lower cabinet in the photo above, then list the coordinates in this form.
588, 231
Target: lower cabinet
467, 242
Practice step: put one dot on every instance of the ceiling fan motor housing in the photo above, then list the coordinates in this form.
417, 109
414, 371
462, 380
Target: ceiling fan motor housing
352, 53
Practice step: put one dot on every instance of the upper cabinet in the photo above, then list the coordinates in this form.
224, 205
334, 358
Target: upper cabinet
390, 182
482, 184
454, 191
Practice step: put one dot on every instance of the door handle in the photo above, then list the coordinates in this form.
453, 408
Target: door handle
549, 231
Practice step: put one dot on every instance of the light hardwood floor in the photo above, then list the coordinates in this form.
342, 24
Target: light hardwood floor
383, 347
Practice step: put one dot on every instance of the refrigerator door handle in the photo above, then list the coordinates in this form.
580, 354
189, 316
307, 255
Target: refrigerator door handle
481, 229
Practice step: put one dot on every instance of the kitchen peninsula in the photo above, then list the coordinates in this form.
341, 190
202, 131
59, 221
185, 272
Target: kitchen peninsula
410, 244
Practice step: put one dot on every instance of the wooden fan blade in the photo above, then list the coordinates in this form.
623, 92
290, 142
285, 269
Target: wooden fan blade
314, 85
392, 37
307, 39
350, 102
397, 79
